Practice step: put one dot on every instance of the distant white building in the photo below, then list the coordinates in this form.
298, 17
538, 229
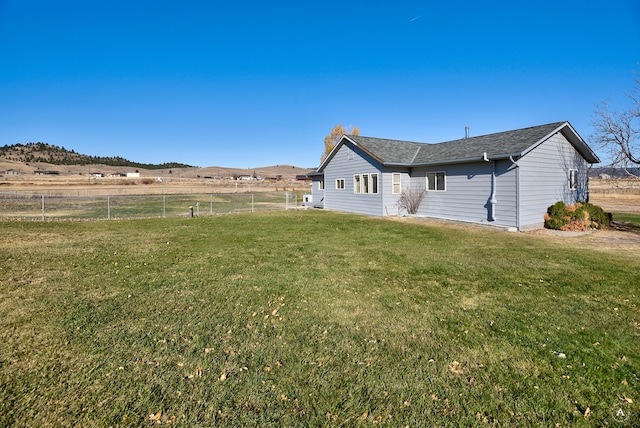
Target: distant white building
133, 174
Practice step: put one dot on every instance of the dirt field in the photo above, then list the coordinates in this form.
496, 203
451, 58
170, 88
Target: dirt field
616, 195
75, 180
103, 187
613, 195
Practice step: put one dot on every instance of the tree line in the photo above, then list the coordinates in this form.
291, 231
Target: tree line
48, 153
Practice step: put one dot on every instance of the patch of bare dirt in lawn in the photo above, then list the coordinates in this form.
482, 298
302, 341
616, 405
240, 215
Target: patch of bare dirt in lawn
620, 237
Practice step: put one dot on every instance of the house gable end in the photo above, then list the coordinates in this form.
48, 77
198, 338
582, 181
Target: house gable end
572, 137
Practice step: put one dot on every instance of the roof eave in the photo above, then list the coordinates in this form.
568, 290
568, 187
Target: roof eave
589, 155
399, 165
367, 151
482, 158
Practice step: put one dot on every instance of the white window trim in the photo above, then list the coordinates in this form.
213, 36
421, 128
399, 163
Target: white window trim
435, 184
340, 184
573, 184
395, 191
321, 185
366, 180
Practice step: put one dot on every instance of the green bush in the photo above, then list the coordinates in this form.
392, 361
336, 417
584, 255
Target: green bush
556, 216
576, 217
597, 214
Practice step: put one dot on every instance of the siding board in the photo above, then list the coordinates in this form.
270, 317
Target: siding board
468, 191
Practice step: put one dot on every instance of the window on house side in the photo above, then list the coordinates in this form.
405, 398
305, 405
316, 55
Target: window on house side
365, 184
436, 181
340, 184
396, 183
321, 185
573, 179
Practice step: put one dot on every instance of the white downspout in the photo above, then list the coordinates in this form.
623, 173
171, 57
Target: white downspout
517, 192
492, 200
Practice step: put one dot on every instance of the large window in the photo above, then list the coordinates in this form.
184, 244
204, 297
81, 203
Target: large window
573, 179
396, 183
436, 181
340, 183
321, 185
365, 184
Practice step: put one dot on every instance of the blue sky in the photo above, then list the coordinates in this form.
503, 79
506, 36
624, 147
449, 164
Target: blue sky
247, 84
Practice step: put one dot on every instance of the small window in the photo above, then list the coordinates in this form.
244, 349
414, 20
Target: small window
321, 185
573, 179
396, 183
340, 184
356, 184
436, 181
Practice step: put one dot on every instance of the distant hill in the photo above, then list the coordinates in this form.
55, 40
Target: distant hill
611, 172
48, 153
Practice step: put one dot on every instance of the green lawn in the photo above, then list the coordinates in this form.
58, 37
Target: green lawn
633, 218
312, 318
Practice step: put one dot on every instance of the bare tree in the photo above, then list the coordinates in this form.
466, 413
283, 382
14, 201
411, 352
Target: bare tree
618, 132
411, 199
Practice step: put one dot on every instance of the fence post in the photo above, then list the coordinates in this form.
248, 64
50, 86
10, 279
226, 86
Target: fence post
108, 207
211, 205
164, 206
252, 210
43, 207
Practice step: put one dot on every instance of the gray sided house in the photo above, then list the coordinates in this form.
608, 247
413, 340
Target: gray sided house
506, 179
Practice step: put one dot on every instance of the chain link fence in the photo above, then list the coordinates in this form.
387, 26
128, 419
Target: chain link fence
31, 206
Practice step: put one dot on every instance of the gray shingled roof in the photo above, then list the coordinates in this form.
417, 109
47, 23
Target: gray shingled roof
502, 144
389, 151
499, 145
